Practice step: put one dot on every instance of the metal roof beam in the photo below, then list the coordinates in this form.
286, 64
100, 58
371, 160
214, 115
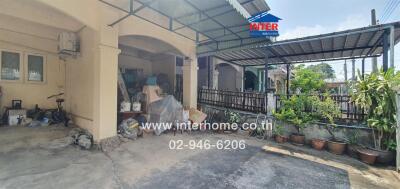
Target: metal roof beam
375, 46
178, 21
216, 21
230, 40
194, 13
310, 61
204, 19
357, 40
273, 51
303, 54
245, 2
147, 20
233, 26
131, 10
233, 47
322, 47
369, 41
225, 35
344, 45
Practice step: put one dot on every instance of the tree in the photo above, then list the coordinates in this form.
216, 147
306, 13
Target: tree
375, 94
324, 69
307, 80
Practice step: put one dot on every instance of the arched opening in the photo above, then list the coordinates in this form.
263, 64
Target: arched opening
250, 81
149, 65
227, 77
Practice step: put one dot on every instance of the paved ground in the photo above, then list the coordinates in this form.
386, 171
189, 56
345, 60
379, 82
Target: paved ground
28, 159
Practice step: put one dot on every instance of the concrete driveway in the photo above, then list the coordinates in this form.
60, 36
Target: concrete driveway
149, 163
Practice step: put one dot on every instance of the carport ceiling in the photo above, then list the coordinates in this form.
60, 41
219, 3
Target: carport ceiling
213, 23
350, 44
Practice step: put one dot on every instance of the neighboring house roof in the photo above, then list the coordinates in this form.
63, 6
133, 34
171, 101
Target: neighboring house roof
254, 7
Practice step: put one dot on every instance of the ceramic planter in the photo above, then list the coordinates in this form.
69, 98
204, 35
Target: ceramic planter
384, 157
280, 138
318, 144
297, 139
367, 156
336, 147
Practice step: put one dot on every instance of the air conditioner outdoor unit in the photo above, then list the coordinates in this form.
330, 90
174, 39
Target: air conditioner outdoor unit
68, 44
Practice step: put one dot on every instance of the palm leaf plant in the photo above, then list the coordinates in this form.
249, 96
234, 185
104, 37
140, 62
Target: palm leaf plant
375, 93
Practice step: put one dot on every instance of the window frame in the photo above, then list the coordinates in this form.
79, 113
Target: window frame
26, 71
21, 66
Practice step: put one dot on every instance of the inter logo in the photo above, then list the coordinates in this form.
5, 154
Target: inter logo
264, 24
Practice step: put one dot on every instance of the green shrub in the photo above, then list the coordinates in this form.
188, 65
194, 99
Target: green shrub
375, 93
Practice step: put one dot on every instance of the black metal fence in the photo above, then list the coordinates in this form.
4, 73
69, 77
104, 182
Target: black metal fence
348, 109
255, 102
245, 101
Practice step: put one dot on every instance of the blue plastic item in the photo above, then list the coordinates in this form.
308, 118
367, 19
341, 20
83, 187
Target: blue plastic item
152, 80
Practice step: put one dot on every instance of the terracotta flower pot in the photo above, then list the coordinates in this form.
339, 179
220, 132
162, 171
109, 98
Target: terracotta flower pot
367, 156
318, 144
352, 150
384, 157
280, 138
297, 139
336, 147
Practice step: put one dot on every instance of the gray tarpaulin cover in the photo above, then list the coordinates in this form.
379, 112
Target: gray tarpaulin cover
167, 110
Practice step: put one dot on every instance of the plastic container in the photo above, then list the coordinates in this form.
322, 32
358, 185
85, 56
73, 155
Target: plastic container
125, 106
136, 106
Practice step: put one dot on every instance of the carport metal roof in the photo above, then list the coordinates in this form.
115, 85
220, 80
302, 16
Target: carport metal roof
349, 44
213, 23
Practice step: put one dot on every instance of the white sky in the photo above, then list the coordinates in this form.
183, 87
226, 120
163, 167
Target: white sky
313, 17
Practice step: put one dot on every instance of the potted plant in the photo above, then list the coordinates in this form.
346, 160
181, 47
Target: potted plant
352, 146
375, 93
232, 118
325, 110
279, 134
367, 156
294, 111
318, 144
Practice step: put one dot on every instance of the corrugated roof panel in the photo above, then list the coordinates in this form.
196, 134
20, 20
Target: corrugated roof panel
254, 6
355, 43
212, 19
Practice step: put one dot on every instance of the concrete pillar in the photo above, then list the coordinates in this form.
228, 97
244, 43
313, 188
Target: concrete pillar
287, 79
345, 70
353, 69
105, 92
240, 79
363, 68
215, 79
105, 83
385, 51
266, 83
391, 43
190, 82
244, 78
374, 59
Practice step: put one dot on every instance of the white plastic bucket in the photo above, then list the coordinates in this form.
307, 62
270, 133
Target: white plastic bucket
125, 106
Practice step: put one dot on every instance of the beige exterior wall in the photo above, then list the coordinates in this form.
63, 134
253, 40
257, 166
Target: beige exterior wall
27, 37
90, 80
80, 81
125, 61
